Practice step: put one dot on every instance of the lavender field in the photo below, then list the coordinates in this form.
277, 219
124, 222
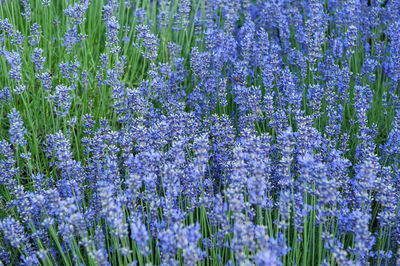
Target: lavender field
199, 132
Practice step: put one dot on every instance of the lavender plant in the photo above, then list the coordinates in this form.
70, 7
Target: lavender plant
202, 132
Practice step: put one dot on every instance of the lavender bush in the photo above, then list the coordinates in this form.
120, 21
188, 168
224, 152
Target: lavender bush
205, 132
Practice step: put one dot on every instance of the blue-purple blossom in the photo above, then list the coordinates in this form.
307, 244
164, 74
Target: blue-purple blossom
61, 100
13, 232
112, 34
17, 130
46, 79
27, 9
37, 58
140, 15
140, 235
5, 95
15, 61
182, 16
72, 37
146, 41
76, 12
34, 37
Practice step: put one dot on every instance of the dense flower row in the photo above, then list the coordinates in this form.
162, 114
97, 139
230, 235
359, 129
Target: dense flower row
216, 132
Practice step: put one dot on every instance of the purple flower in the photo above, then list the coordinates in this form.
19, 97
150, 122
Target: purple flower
388, 198
112, 208
112, 34
13, 232
315, 30
76, 12
7, 165
286, 147
61, 100
187, 241
164, 14
365, 179
7, 27
46, 79
140, 15
37, 58
392, 65
34, 38
71, 38
140, 235
284, 207
364, 241
267, 257
147, 41
100, 254
5, 96
70, 70
391, 149
315, 97
17, 129
15, 61
182, 16
28, 12
87, 123
368, 69
18, 40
